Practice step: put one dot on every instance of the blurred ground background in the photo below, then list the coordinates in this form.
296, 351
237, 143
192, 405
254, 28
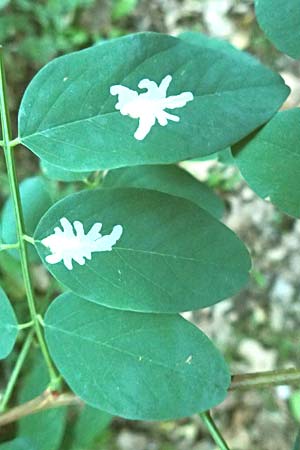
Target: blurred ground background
257, 330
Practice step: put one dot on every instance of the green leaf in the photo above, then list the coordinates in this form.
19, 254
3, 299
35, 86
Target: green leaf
35, 200
169, 179
138, 366
90, 424
270, 161
45, 429
172, 255
18, 444
121, 8
77, 127
294, 403
203, 40
57, 173
280, 21
8, 326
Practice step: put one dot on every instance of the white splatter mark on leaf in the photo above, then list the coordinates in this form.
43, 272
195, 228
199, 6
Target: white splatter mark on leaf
189, 360
66, 245
149, 106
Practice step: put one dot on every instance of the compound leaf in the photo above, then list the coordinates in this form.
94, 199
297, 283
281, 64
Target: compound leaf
171, 255
134, 365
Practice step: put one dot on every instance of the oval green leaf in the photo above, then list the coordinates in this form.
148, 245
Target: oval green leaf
138, 366
169, 179
270, 161
76, 125
36, 200
8, 326
171, 256
280, 21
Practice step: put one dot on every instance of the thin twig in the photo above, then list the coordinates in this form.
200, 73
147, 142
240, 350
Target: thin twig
238, 382
47, 400
214, 431
262, 379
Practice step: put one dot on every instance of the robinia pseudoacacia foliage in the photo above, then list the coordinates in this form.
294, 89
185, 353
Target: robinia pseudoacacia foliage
146, 243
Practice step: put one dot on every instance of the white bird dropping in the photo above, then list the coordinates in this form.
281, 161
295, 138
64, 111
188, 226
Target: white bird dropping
65, 245
149, 106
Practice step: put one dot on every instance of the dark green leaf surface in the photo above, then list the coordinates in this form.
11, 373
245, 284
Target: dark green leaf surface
203, 40
270, 161
45, 429
18, 444
172, 256
8, 326
169, 179
57, 173
75, 124
223, 156
90, 424
36, 200
280, 21
138, 366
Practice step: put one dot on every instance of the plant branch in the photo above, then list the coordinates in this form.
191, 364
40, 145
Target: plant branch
16, 370
47, 400
213, 430
263, 379
239, 382
20, 228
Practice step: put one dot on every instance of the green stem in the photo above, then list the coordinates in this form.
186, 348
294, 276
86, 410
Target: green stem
15, 142
23, 326
20, 228
263, 379
16, 370
28, 239
213, 430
